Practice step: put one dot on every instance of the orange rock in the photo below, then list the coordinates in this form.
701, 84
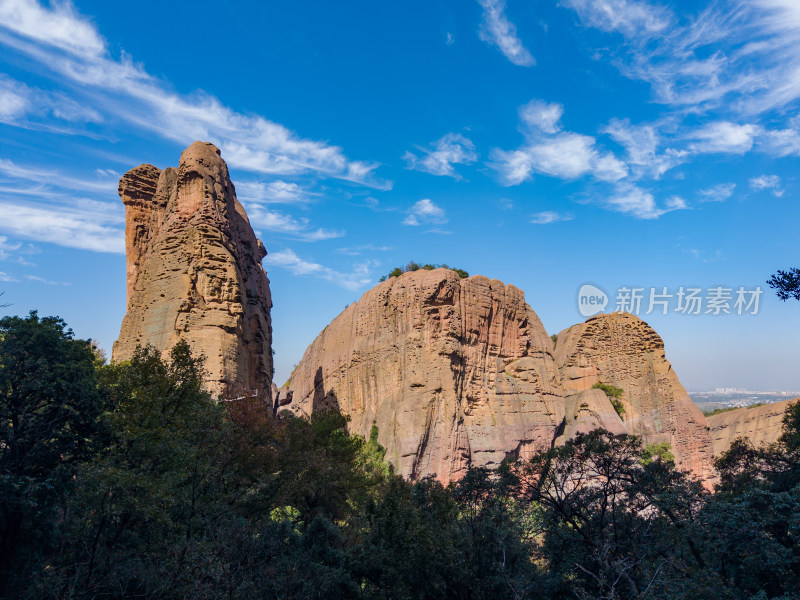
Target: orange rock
454, 372
761, 425
194, 272
622, 350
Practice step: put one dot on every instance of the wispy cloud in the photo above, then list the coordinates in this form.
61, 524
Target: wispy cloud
642, 143
358, 250
767, 182
7, 277
755, 65
550, 151
263, 218
633, 200
497, 30
724, 137
86, 225
718, 193
69, 44
632, 17
425, 212
38, 279
451, 149
274, 192
358, 278
548, 216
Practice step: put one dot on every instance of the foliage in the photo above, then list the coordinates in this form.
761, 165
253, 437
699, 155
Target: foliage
50, 405
414, 266
657, 451
786, 284
554, 339
132, 481
614, 395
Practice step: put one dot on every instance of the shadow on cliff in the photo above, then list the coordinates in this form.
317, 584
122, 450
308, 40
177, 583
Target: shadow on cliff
323, 401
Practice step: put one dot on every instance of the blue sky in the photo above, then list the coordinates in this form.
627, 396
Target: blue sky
548, 144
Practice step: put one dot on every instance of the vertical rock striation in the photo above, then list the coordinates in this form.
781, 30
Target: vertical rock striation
622, 350
453, 372
194, 272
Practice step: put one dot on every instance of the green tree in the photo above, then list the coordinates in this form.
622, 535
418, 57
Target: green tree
49, 408
786, 284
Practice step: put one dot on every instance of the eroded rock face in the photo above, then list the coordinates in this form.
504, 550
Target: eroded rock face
586, 411
622, 350
454, 372
761, 425
194, 272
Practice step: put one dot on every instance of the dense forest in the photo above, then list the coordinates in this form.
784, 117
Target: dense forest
130, 481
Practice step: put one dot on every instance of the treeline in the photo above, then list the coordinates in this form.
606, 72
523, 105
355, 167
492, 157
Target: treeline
130, 481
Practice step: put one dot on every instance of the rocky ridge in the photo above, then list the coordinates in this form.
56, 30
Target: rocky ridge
760, 425
194, 272
461, 372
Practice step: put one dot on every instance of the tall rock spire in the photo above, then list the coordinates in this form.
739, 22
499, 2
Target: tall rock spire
194, 272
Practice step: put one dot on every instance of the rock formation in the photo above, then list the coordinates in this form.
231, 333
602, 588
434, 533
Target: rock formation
194, 272
453, 372
760, 425
622, 350
588, 410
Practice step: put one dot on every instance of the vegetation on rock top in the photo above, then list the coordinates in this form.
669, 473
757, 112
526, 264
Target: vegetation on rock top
414, 266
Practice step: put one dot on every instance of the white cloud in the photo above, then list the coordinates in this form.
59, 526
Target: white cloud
425, 212
767, 182
548, 216
86, 225
274, 192
718, 193
730, 54
42, 280
451, 149
7, 277
50, 179
545, 116
357, 250
497, 30
780, 142
69, 44
275, 221
553, 152
59, 26
641, 143
632, 200
626, 16
725, 137
28, 107
356, 279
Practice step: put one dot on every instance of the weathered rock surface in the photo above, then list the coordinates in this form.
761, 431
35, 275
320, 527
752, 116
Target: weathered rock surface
760, 424
622, 350
194, 272
454, 372
586, 411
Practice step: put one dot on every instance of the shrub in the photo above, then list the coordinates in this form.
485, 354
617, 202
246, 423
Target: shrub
415, 266
614, 394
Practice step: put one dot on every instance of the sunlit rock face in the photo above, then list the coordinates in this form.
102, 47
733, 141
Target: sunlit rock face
194, 272
622, 350
454, 372
760, 425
